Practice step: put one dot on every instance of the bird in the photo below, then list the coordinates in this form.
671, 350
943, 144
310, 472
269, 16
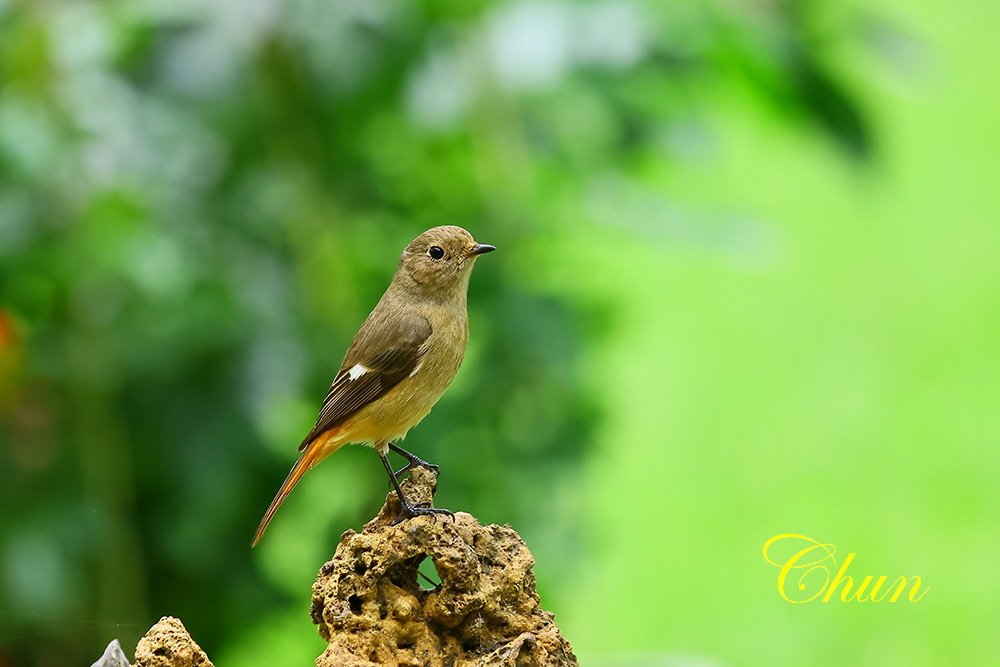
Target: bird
400, 362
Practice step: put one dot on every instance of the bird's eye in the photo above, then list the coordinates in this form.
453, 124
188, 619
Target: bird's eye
435, 252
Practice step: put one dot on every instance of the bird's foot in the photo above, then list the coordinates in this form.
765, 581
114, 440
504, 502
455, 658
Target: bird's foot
417, 463
408, 511
412, 461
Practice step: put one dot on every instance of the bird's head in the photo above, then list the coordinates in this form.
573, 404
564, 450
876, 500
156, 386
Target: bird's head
441, 259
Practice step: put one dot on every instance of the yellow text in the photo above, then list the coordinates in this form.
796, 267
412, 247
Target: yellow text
812, 573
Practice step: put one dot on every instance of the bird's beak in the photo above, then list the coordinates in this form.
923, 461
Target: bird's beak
482, 249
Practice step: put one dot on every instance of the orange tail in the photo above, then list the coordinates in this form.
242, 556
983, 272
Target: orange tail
312, 455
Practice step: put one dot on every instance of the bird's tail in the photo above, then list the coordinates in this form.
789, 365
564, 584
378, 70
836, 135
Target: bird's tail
313, 454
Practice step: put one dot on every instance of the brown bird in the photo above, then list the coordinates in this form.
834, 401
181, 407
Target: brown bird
401, 360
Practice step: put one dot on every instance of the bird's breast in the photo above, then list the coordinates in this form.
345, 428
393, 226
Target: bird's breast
406, 404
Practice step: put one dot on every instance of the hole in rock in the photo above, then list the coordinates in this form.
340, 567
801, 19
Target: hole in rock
355, 604
408, 574
429, 575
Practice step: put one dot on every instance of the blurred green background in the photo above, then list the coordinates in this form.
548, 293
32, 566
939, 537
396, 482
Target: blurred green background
748, 283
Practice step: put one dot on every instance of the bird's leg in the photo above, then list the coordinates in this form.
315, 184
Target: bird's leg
406, 509
414, 461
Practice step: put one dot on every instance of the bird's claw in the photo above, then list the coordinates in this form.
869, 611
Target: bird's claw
419, 463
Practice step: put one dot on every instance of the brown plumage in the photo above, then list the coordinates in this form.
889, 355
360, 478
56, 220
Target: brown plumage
401, 360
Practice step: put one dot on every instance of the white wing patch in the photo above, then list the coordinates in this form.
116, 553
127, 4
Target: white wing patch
417, 369
357, 370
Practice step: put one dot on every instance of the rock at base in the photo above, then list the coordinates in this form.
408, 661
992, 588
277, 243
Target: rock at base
372, 609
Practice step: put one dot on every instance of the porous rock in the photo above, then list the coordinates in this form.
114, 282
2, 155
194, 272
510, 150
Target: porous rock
372, 609
168, 644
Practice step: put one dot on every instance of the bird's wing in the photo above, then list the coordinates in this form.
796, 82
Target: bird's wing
383, 353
